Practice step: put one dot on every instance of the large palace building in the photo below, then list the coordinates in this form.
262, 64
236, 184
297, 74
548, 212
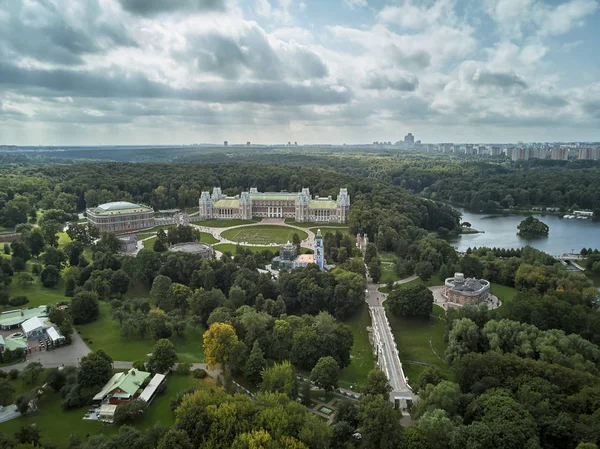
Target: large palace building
120, 217
299, 206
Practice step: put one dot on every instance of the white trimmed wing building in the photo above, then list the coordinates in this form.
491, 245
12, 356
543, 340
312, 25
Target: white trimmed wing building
300, 206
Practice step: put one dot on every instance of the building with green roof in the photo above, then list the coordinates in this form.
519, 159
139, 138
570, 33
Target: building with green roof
14, 318
300, 206
122, 387
120, 217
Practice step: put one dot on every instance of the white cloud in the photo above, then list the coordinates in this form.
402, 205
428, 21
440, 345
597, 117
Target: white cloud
263, 8
417, 17
516, 18
356, 3
210, 71
564, 17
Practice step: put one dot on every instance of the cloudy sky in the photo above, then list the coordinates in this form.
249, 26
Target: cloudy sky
333, 71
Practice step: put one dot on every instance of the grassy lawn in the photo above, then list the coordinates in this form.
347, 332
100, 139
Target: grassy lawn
230, 247
105, 333
216, 223
504, 293
56, 425
361, 355
208, 238
387, 257
417, 339
37, 294
5, 230
149, 244
263, 234
63, 239
388, 273
144, 235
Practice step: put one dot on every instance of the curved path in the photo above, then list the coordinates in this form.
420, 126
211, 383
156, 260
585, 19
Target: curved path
308, 242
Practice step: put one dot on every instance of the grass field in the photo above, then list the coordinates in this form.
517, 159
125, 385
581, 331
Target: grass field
388, 273
56, 425
504, 293
105, 333
208, 238
417, 339
263, 234
216, 223
5, 230
148, 244
230, 247
37, 294
361, 355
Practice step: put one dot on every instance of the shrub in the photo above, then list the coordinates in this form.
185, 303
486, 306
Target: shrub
199, 373
184, 368
22, 402
177, 401
13, 373
3, 374
18, 354
50, 276
130, 411
36, 269
18, 301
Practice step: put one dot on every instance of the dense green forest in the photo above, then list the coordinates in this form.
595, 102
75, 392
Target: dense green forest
525, 375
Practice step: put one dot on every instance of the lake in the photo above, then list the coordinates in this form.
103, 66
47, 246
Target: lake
566, 235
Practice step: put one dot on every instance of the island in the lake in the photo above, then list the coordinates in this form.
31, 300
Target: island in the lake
532, 227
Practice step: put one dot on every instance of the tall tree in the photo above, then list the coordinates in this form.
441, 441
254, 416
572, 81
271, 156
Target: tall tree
95, 369
163, 356
377, 384
280, 378
255, 364
219, 342
326, 374
411, 301
379, 423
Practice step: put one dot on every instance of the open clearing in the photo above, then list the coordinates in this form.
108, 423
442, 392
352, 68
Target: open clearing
105, 333
413, 337
361, 354
261, 235
56, 425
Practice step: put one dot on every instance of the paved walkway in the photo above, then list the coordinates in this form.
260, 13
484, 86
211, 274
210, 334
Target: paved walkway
70, 355
61, 356
384, 342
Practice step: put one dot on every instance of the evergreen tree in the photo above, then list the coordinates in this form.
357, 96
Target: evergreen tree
255, 364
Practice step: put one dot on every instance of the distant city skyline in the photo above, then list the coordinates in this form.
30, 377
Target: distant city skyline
133, 72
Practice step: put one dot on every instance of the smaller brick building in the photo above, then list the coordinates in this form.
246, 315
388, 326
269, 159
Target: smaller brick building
462, 291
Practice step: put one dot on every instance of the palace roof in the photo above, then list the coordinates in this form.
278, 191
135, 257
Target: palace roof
322, 203
274, 196
228, 202
119, 207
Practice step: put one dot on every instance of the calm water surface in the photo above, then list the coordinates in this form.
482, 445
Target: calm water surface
500, 231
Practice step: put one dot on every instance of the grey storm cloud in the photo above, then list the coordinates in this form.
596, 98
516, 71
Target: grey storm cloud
498, 79
402, 82
51, 38
81, 83
229, 57
153, 7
